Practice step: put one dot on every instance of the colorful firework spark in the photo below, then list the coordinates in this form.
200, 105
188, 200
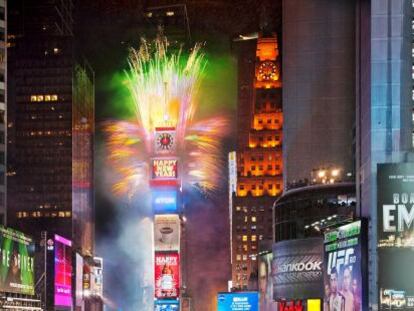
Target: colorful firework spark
164, 89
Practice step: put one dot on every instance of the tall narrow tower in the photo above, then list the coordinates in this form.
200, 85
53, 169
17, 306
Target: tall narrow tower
259, 158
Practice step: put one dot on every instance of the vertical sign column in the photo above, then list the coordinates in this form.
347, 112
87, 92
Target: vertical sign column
165, 190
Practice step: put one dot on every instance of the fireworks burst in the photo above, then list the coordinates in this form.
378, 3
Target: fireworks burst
164, 89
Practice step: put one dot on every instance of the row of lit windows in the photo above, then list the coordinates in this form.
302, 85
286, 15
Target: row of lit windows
39, 214
253, 209
245, 247
253, 237
260, 167
46, 98
47, 133
244, 257
260, 157
260, 187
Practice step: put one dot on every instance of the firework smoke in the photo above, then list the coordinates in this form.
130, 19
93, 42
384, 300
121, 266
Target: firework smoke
164, 89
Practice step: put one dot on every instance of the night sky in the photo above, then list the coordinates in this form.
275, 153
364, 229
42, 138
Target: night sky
104, 31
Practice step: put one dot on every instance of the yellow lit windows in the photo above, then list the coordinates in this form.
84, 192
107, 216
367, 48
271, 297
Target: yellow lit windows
54, 97
244, 238
244, 257
246, 219
245, 248
238, 257
47, 98
33, 98
40, 98
238, 208
253, 218
254, 238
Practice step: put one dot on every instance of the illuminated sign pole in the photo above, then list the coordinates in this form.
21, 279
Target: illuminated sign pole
166, 198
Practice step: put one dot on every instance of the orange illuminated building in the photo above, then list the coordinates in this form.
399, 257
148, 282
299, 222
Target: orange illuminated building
259, 156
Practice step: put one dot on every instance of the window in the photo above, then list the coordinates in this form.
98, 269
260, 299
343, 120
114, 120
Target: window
238, 257
238, 208
270, 186
253, 218
245, 248
244, 257
254, 238
244, 239
260, 167
253, 167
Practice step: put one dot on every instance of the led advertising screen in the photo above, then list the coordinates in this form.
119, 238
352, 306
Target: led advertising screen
79, 281
17, 264
63, 272
265, 283
395, 202
167, 233
167, 275
343, 281
297, 269
395, 227
164, 201
164, 168
238, 301
167, 305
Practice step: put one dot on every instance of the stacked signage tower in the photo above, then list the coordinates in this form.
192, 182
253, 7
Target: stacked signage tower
166, 189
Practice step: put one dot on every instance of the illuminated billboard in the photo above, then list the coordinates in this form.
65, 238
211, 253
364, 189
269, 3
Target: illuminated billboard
164, 168
164, 201
167, 275
167, 233
17, 264
265, 283
167, 305
343, 278
395, 227
297, 269
63, 271
238, 301
395, 200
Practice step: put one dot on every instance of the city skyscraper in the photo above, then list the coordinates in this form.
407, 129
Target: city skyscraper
51, 126
259, 154
384, 123
318, 87
3, 108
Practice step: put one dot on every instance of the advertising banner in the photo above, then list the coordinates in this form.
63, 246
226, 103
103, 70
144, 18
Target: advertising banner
17, 264
164, 168
63, 272
167, 305
167, 233
395, 202
97, 277
79, 282
238, 301
167, 275
164, 201
297, 269
395, 227
265, 283
343, 268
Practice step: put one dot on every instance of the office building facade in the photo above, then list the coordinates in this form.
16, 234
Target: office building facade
259, 154
51, 127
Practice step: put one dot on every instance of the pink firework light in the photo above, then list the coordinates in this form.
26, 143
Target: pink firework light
164, 88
